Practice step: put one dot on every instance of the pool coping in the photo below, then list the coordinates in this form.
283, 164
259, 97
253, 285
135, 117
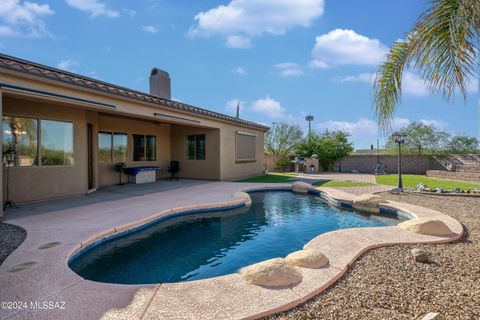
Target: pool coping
352, 244
221, 297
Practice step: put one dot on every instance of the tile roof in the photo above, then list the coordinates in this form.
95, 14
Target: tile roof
31, 68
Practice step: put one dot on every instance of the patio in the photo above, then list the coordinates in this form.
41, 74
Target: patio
62, 226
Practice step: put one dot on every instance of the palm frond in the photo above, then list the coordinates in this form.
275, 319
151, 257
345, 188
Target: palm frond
442, 47
387, 87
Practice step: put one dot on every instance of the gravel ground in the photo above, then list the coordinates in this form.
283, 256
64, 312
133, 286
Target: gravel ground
386, 283
11, 237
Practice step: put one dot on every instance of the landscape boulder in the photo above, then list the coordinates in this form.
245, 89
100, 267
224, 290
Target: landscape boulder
243, 195
301, 187
428, 226
307, 258
420, 255
272, 273
368, 202
433, 316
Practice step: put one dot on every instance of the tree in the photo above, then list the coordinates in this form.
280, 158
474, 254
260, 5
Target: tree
441, 46
283, 139
462, 144
426, 139
329, 147
421, 138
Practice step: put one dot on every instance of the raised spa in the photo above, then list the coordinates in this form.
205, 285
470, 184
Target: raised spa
209, 244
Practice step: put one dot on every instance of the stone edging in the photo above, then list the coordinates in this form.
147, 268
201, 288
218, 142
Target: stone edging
342, 247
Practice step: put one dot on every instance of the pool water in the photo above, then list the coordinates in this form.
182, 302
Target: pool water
207, 245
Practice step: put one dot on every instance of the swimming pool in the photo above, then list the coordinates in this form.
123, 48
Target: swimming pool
199, 246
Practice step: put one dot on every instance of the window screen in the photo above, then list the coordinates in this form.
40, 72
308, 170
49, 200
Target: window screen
56, 142
120, 142
21, 133
195, 147
245, 146
104, 147
138, 147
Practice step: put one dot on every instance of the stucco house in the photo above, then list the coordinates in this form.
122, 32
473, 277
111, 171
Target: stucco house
69, 130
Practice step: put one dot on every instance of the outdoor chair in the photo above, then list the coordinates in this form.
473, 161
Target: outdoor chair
173, 169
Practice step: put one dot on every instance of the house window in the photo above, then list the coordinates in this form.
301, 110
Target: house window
151, 148
21, 133
56, 142
195, 147
144, 148
112, 147
54, 148
120, 142
104, 147
245, 147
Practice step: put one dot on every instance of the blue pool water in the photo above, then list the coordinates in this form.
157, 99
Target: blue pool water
218, 243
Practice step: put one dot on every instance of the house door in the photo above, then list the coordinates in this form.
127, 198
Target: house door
90, 156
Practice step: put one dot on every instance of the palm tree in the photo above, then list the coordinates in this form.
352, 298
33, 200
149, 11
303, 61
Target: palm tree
441, 47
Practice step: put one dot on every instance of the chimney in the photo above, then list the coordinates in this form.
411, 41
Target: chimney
160, 83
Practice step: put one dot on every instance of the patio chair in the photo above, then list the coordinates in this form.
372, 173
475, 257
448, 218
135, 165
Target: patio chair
173, 168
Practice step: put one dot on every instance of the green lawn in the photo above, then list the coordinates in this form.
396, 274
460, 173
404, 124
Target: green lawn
341, 184
270, 178
411, 181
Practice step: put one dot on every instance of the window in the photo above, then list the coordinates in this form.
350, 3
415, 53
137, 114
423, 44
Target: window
195, 147
144, 148
21, 133
151, 148
120, 142
104, 147
112, 147
56, 142
245, 147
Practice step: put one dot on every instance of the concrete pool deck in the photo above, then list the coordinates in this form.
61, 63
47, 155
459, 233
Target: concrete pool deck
78, 221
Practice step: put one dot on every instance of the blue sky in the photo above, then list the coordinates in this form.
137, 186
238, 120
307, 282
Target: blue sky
282, 59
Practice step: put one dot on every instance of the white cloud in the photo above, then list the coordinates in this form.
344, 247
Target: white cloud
130, 12
94, 7
289, 69
239, 71
67, 65
150, 29
412, 84
23, 18
473, 86
362, 128
269, 107
238, 42
256, 17
346, 47
439, 124
362, 77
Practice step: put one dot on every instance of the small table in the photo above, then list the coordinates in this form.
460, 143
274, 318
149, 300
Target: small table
139, 175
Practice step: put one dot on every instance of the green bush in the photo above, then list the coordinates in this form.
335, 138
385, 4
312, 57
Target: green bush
282, 164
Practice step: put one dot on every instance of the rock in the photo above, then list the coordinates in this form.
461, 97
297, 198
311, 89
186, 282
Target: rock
395, 190
272, 273
301, 187
308, 258
439, 190
421, 187
243, 195
420, 255
368, 202
428, 226
433, 316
